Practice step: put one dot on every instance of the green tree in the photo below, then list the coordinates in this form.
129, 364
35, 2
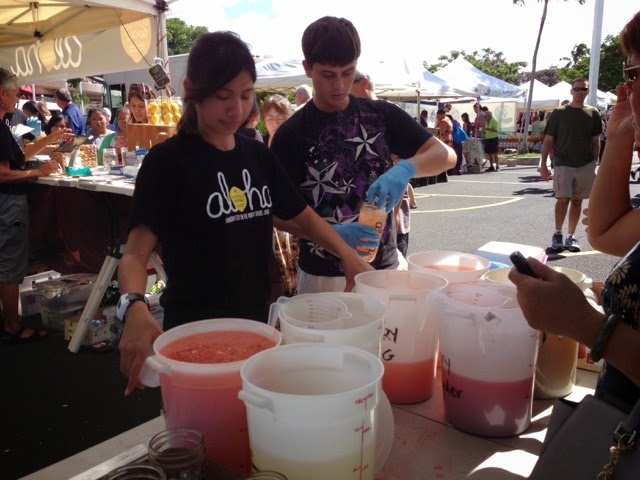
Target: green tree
610, 71
489, 61
533, 66
180, 36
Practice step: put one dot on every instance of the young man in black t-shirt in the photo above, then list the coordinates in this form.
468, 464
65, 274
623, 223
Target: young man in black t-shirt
338, 152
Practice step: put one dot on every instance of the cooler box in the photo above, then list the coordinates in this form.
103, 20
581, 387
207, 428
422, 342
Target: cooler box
30, 298
499, 252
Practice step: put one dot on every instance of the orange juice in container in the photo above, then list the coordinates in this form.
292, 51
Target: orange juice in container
375, 217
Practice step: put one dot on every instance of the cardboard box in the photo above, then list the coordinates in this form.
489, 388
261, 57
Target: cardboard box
95, 333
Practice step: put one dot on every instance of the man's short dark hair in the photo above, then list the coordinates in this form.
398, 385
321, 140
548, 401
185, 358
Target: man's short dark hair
331, 41
440, 112
63, 94
580, 79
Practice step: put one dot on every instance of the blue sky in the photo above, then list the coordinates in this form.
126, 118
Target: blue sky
418, 29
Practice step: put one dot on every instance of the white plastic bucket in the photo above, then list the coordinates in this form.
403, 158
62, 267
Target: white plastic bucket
310, 311
501, 275
311, 411
488, 355
409, 342
205, 396
362, 328
456, 267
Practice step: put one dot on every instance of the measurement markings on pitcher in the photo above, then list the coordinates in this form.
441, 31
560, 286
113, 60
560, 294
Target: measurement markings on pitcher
362, 430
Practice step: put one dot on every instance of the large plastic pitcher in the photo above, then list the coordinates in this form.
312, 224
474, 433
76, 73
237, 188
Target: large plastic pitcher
204, 397
488, 355
310, 311
410, 341
557, 356
455, 267
361, 328
311, 411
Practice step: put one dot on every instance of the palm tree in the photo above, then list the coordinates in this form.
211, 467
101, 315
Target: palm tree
523, 147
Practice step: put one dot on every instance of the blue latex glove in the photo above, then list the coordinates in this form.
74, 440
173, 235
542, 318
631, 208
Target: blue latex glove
390, 187
36, 124
357, 235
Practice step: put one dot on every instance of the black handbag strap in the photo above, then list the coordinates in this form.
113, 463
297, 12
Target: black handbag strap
629, 426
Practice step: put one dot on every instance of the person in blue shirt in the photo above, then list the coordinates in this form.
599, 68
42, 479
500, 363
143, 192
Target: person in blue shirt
71, 111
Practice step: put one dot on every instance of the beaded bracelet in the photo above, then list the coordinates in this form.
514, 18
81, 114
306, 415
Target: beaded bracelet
603, 337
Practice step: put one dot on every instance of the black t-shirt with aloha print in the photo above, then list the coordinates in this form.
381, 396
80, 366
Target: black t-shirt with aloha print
212, 212
334, 157
621, 295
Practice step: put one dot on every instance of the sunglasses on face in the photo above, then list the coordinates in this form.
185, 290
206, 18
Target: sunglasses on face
580, 89
630, 73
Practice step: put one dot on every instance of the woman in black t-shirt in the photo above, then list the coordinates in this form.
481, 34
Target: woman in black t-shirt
207, 196
14, 211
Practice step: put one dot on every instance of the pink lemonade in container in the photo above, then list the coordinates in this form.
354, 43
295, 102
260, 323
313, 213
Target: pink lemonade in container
199, 366
374, 217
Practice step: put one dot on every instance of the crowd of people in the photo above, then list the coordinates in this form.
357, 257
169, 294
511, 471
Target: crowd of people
320, 160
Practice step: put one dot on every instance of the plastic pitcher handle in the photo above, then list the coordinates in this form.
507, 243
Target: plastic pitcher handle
256, 400
149, 375
274, 310
403, 298
307, 337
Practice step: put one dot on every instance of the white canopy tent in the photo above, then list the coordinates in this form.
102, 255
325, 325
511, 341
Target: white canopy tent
563, 91
394, 79
465, 76
544, 98
60, 39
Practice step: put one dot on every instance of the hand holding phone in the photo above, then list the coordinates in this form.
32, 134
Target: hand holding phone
521, 264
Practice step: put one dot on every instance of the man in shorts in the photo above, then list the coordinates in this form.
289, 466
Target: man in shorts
491, 142
574, 133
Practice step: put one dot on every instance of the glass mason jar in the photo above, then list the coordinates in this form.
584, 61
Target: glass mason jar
136, 472
264, 475
179, 452
109, 157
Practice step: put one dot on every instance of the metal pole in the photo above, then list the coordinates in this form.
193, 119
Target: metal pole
596, 40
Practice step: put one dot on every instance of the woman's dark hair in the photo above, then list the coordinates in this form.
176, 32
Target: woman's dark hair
331, 41
93, 110
630, 36
55, 119
465, 117
214, 60
32, 109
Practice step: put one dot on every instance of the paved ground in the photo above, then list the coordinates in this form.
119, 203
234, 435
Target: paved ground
513, 205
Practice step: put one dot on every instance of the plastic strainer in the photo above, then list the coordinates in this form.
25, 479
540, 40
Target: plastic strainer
311, 311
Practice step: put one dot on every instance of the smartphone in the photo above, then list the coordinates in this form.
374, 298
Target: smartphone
521, 264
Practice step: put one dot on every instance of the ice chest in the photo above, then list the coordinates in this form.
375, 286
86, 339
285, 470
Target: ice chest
30, 298
53, 315
65, 290
499, 251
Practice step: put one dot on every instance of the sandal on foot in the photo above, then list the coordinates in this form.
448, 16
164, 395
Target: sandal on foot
11, 338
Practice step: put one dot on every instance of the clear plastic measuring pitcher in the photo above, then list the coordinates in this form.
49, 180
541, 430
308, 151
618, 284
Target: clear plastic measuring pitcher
361, 327
488, 359
204, 397
455, 267
310, 311
311, 411
409, 342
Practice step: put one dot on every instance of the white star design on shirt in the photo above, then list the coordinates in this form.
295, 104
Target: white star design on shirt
364, 142
321, 183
